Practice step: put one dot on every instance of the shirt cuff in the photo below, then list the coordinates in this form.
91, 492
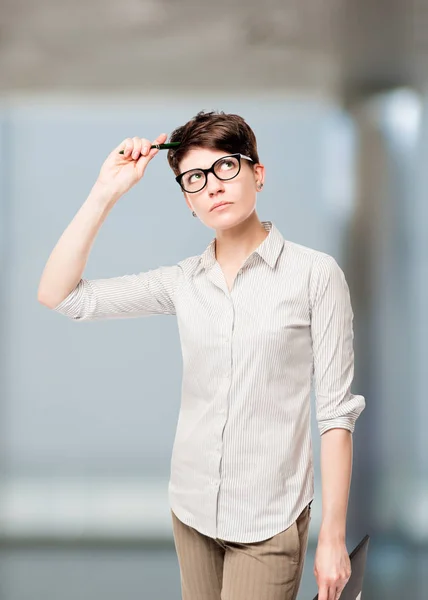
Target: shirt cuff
69, 307
346, 421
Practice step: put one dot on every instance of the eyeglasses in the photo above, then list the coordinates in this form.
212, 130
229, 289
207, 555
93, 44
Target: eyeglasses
224, 168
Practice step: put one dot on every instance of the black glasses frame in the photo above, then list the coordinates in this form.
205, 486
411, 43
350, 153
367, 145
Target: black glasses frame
211, 170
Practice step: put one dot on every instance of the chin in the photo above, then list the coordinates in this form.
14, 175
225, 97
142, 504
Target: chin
227, 220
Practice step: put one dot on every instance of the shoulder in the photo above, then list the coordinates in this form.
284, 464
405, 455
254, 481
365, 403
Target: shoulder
315, 259
189, 265
318, 270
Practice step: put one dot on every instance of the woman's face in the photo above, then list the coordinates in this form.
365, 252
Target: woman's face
240, 192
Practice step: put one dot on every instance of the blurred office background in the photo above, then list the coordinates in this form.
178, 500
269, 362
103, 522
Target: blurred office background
336, 93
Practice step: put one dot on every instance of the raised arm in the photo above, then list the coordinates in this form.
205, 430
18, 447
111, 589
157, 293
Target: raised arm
64, 268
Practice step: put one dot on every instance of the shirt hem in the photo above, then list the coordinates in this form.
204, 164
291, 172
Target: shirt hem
250, 539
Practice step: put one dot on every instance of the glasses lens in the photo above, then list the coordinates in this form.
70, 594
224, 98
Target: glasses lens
193, 181
227, 168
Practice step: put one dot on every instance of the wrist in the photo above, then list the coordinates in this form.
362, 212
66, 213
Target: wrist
103, 195
332, 533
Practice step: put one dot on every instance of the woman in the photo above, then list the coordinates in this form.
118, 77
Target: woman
258, 316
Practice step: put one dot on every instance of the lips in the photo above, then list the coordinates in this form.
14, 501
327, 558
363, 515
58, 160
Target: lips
219, 204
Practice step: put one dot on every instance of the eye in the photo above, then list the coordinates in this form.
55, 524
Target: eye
195, 177
226, 164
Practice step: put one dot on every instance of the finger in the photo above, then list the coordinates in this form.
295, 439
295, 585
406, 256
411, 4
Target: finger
137, 145
327, 591
129, 146
323, 592
333, 592
145, 147
126, 146
152, 152
339, 591
146, 155
161, 139
142, 148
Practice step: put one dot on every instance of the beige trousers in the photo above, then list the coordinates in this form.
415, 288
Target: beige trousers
213, 569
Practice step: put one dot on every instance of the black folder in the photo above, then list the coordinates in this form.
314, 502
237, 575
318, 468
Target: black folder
354, 587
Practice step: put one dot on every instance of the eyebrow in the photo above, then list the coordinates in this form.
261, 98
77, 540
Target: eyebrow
201, 168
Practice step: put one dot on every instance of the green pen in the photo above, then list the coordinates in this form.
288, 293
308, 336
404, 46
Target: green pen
162, 146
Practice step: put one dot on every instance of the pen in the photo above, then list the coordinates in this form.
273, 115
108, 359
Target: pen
162, 146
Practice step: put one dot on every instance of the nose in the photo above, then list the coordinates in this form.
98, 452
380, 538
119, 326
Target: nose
214, 185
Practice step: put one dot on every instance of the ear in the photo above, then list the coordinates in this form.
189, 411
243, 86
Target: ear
189, 204
259, 172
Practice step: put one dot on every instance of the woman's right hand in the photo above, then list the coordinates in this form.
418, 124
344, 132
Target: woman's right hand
120, 172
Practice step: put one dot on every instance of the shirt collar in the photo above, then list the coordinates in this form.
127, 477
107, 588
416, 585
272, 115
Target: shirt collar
269, 250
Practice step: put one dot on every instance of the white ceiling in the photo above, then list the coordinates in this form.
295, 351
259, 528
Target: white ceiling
325, 46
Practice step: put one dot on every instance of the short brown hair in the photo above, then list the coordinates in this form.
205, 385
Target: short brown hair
214, 130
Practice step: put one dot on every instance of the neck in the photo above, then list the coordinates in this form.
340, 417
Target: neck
234, 245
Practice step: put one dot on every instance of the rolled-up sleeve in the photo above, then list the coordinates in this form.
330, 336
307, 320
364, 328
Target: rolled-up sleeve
137, 295
332, 345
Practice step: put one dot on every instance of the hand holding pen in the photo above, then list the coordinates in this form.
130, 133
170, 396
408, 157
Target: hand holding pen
126, 164
161, 146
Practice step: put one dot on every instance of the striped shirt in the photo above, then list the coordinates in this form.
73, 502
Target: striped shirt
241, 467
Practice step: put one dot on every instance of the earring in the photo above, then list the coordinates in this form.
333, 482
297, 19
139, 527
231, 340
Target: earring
193, 213
259, 186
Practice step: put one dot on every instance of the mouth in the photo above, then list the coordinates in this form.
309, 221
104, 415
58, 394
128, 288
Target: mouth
220, 206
